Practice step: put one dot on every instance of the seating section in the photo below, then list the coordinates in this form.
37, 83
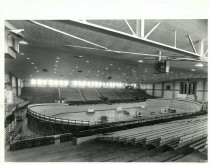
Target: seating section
71, 94
90, 94
40, 95
139, 94
175, 134
123, 94
17, 103
81, 95
109, 94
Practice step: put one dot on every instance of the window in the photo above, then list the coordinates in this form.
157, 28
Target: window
187, 88
168, 87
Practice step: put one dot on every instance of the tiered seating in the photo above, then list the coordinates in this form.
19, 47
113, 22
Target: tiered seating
109, 94
90, 94
175, 135
40, 95
71, 94
200, 145
17, 103
158, 102
123, 94
139, 94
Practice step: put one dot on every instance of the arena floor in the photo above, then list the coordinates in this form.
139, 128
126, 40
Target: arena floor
80, 112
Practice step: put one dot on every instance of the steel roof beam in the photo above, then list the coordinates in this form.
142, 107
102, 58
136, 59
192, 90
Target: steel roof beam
126, 36
147, 35
205, 53
13, 29
66, 34
192, 44
129, 27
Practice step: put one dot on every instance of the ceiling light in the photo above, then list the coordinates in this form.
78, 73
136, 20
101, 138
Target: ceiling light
30, 75
35, 67
58, 58
28, 58
87, 61
55, 65
111, 64
56, 61
23, 42
37, 71
78, 56
70, 73
73, 70
88, 71
32, 63
54, 72
118, 68
107, 68
76, 67
54, 69
140, 61
199, 65
192, 70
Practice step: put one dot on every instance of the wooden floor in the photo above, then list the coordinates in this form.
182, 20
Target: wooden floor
96, 151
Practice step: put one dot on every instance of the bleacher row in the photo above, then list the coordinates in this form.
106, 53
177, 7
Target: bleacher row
82, 95
191, 132
17, 103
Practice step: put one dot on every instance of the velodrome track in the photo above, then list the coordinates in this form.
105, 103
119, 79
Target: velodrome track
80, 112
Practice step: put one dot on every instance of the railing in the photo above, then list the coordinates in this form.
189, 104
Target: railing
55, 119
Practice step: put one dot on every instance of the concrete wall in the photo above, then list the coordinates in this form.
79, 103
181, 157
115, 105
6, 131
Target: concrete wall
168, 93
159, 90
149, 89
12, 84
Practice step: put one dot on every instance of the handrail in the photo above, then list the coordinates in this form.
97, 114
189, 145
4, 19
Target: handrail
86, 122
55, 119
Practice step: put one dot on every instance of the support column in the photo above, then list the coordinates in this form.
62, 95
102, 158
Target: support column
173, 94
153, 89
16, 88
59, 92
195, 94
203, 94
162, 90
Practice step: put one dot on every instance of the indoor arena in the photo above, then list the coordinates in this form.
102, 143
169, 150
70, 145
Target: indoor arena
115, 90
